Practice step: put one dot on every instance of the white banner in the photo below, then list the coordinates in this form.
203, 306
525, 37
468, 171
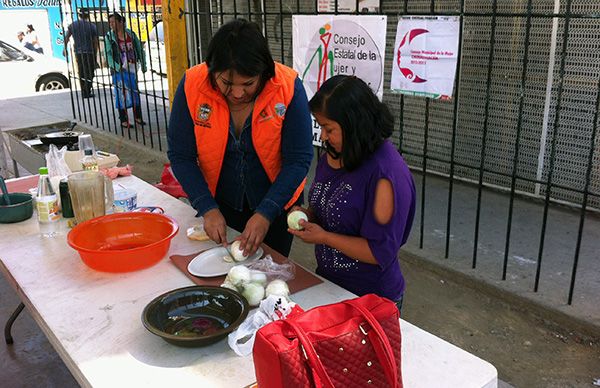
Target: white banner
425, 56
328, 45
364, 6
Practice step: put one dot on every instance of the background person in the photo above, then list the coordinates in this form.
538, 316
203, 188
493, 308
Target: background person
31, 37
123, 55
240, 139
85, 38
21, 38
362, 201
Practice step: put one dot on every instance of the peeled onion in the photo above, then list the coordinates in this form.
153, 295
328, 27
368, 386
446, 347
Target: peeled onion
254, 293
294, 217
236, 252
229, 285
278, 287
238, 275
258, 277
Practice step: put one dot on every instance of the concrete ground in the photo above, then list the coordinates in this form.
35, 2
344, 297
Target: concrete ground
533, 339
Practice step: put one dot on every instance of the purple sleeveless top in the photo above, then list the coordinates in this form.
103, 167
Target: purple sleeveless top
343, 202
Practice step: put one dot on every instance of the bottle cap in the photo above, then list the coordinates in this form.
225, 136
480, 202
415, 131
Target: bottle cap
88, 152
43, 170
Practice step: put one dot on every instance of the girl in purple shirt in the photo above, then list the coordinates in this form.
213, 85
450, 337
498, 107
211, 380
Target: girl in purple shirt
362, 201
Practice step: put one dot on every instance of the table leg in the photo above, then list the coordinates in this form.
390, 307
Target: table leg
7, 337
15, 168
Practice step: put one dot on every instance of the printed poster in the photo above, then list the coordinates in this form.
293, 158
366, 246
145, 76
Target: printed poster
364, 6
328, 45
425, 56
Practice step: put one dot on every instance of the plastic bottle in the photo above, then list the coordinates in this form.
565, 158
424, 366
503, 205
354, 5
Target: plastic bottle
47, 205
89, 161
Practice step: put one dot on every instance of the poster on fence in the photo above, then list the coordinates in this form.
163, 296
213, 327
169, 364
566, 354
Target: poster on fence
425, 56
364, 6
328, 45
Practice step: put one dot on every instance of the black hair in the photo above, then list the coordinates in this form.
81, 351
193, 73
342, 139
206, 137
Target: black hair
117, 17
365, 121
240, 45
30, 27
83, 12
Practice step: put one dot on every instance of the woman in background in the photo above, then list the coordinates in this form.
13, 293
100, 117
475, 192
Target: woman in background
31, 37
124, 55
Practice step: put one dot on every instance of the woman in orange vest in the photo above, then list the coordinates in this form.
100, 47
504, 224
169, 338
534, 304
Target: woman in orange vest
240, 139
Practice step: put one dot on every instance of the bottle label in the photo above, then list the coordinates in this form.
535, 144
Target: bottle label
47, 209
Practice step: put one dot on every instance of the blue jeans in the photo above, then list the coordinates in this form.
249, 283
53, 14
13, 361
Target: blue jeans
399, 303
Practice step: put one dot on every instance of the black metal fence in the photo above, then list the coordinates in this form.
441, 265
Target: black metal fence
144, 19
518, 139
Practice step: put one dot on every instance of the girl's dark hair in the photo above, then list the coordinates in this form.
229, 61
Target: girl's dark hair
118, 17
365, 121
240, 45
30, 26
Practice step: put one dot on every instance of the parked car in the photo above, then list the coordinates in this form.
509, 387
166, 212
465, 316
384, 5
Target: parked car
21, 68
155, 50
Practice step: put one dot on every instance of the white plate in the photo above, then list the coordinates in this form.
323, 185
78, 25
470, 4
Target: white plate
210, 263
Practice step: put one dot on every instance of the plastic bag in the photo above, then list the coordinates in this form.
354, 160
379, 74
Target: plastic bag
55, 161
271, 309
169, 184
273, 270
259, 279
57, 166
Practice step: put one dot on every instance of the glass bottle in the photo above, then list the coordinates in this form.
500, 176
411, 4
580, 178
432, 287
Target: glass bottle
66, 205
89, 161
47, 205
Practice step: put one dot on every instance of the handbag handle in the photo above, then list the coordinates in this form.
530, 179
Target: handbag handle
311, 354
382, 347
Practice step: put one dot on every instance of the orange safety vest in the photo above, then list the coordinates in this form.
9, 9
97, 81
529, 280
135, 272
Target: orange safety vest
210, 113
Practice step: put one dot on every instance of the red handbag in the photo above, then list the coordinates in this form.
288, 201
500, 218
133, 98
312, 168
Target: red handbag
347, 344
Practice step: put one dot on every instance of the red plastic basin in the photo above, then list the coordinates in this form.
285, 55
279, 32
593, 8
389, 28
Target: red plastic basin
123, 242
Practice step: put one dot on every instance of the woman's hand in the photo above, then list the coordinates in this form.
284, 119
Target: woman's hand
254, 233
311, 233
215, 226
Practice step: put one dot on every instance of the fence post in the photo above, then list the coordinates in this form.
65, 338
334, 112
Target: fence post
175, 43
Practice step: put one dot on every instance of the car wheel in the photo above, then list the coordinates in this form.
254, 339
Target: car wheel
52, 82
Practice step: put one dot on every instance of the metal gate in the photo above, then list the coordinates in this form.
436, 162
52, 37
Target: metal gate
144, 19
523, 124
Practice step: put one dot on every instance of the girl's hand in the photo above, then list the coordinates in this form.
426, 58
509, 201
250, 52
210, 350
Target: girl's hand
308, 211
311, 233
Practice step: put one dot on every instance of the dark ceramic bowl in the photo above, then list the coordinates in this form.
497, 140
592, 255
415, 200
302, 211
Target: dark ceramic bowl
20, 209
195, 316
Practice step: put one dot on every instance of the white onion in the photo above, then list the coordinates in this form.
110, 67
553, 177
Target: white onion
236, 252
238, 275
254, 293
278, 287
294, 217
229, 285
258, 277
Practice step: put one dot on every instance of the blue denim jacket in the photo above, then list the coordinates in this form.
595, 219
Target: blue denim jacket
242, 175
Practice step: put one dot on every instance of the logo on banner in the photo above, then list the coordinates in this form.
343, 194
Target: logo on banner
342, 46
407, 40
